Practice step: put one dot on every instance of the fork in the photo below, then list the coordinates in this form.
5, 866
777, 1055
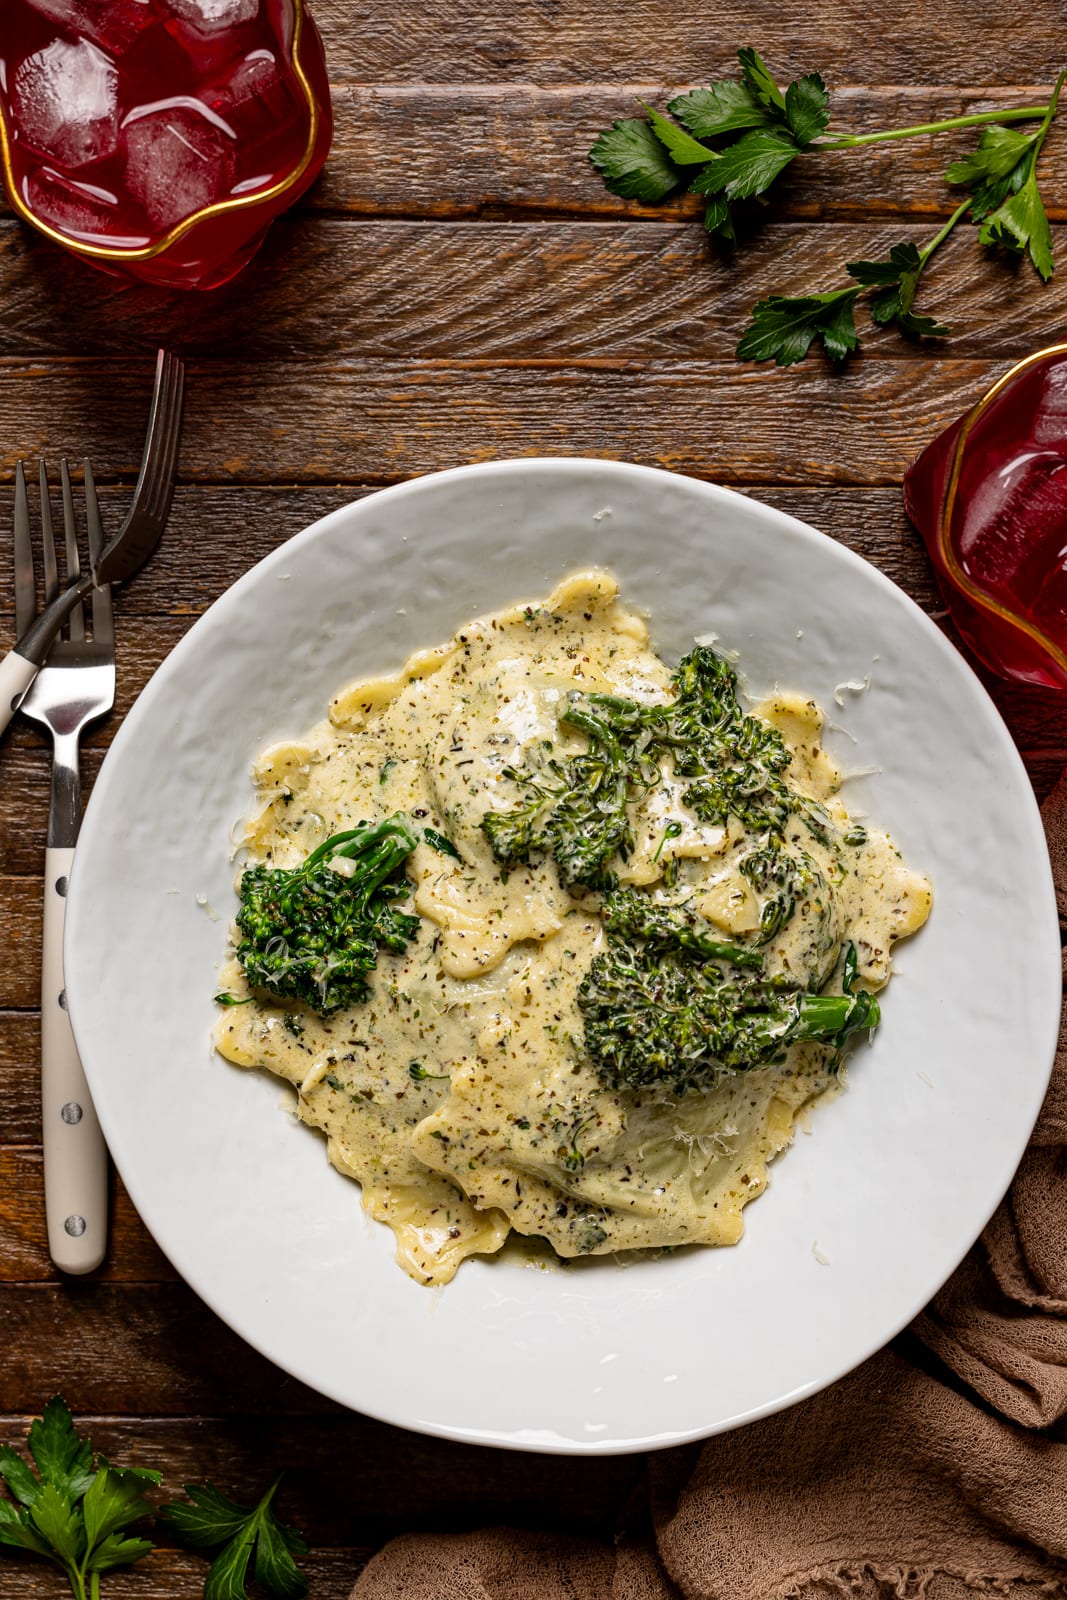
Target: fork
123, 555
73, 688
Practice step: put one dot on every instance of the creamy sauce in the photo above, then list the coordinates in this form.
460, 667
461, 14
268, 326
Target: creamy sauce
505, 1124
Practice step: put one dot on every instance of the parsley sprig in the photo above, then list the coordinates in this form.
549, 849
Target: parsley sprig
239, 1536
783, 328
1020, 221
75, 1509
757, 130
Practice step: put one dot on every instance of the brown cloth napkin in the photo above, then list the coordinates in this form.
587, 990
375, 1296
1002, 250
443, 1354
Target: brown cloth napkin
937, 1469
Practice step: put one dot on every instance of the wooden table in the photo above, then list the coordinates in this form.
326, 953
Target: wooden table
460, 286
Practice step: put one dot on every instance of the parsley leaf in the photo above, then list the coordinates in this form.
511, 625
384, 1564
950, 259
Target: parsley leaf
238, 1533
897, 279
22, 1483
74, 1509
114, 1498
755, 102
119, 1551
783, 329
18, 1533
723, 107
757, 77
55, 1519
1020, 222
683, 148
750, 166
633, 162
61, 1456
719, 221
996, 169
806, 108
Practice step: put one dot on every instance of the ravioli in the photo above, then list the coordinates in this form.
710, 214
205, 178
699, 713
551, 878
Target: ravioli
461, 1094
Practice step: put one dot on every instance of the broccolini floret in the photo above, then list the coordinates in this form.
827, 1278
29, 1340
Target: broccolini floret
783, 880
312, 933
629, 914
576, 810
668, 1006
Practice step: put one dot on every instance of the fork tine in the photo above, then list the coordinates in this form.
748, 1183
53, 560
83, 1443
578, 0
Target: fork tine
103, 626
70, 530
146, 478
25, 589
169, 448
161, 448
48, 543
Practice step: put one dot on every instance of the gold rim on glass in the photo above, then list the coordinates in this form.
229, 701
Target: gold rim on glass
109, 252
984, 601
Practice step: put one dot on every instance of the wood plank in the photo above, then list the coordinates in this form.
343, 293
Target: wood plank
498, 150
396, 1478
569, 41
567, 290
20, 939
377, 421
170, 1575
20, 1078
126, 1349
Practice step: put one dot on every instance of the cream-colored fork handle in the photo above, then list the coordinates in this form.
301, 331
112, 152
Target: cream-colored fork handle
16, 675
75, 1156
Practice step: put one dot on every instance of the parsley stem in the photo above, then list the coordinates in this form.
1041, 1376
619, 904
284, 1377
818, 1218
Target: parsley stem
848, 141
1046, 124
939, 238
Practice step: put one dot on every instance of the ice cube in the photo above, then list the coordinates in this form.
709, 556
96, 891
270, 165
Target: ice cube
177, 161
253, 79
1050, 421
65, 102
255, 98
114, 24
212, 16
82, 210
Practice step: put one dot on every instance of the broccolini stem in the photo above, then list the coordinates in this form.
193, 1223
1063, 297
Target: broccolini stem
576, 717
830, 1018
354, 841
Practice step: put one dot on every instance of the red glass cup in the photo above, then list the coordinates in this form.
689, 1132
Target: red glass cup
160, 138
989, 497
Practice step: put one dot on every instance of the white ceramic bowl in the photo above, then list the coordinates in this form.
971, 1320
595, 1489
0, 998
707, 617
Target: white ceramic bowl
862, 1221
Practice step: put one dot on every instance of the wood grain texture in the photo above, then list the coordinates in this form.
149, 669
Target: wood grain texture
521, 149
572, 41
365, 421
634, 290
390, 1477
